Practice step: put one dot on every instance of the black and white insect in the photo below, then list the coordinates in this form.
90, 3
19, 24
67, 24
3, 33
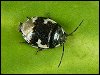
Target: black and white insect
43, 33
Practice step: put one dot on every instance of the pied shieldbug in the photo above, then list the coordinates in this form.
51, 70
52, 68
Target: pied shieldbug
43, 33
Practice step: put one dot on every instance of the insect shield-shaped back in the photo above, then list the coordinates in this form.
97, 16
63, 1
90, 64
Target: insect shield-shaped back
42, 32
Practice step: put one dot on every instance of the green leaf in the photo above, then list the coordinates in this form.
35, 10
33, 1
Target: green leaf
81, 49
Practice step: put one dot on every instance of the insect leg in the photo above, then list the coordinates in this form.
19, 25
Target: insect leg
39, 49
29, 18
19, 29
24, 42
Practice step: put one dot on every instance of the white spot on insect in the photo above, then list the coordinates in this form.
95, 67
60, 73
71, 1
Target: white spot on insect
56, 36
46, 20
27, 27
49, 35
57, 45
62, 30
33, 19
40, 45
27, 31
34, 46
28, 37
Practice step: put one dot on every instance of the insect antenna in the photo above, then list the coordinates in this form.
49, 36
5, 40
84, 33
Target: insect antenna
61, 56
76, 28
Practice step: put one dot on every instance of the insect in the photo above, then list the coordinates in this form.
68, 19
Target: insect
43, 33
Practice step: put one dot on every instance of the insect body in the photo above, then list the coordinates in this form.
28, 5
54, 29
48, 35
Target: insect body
42, 32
